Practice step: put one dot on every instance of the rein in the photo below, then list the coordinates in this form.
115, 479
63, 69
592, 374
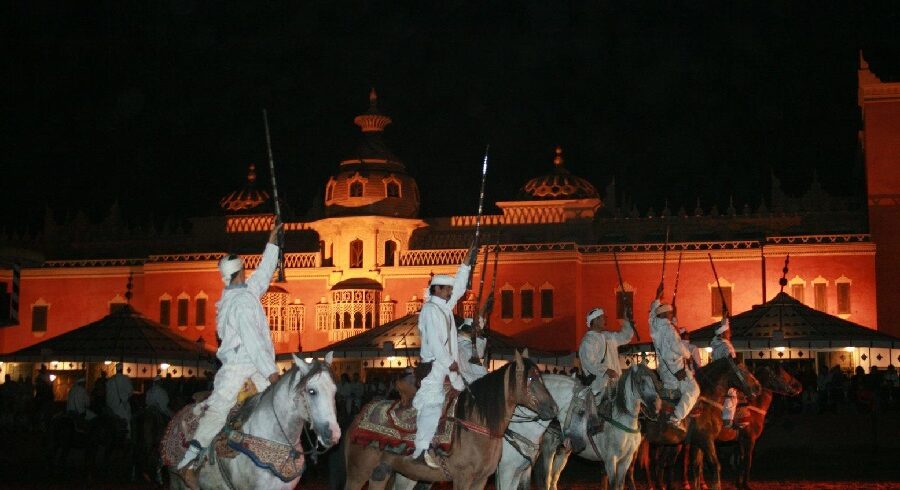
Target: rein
478, 429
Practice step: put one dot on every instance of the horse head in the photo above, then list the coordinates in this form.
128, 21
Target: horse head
779, 381
646, 386
530, 391
315, 388
743, 379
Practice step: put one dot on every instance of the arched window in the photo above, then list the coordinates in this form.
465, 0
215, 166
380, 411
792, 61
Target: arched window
356, 189
329, 192
357, 320
393, 189
347, 322
368, 320
356, 254
390, 249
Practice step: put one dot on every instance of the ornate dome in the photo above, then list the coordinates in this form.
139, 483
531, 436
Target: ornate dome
558, 184
246, 200
372, 180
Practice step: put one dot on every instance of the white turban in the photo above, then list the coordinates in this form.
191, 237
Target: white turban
466, 321
722, 328
682, 330
441, 280
662, 308
228, 267
595, 313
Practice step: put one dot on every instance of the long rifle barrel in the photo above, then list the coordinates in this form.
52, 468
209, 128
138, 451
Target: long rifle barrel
625, 306
278, 219
677, 274
484, 168
725, 311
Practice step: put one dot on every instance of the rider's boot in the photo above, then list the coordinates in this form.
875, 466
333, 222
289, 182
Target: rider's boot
187, 468
676, 425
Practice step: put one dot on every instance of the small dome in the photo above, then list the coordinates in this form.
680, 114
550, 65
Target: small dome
557, 184
372, 180
246, 200
358, 283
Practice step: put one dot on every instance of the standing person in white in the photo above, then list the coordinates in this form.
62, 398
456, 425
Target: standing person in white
672, 360
78, 401
118, 396
157, 397
599, 352
245, 350
471, 371
722, 348
437, 330
694, 365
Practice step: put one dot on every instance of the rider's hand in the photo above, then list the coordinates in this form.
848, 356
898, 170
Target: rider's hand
454, 367
273, 236
273, 378
611, 374
681, 374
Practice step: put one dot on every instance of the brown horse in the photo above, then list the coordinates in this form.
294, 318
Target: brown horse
774, 381
714, 379
482, 415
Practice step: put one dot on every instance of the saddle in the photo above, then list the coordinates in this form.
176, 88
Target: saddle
389, 426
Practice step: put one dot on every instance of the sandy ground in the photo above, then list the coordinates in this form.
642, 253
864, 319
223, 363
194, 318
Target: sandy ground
802, 452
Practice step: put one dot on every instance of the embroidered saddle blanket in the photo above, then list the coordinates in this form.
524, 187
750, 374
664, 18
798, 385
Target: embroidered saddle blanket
389, 427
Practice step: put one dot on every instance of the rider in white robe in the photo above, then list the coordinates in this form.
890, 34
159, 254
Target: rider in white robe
437, 330
245, 349
78, 401
722, 348
471, 371
118, 396
599, 352
695, 361
157, 398
672, 360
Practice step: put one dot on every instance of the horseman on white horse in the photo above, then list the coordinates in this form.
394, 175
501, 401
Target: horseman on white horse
437, 330
722, 348
599, 353
245, 350
673, 359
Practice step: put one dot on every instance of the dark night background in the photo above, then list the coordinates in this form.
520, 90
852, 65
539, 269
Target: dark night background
156, 105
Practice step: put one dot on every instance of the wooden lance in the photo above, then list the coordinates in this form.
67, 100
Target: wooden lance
677, 274
278, 219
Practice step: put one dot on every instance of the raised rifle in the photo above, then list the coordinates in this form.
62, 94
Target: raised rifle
625, 306
662, 279
489, 303
278, 219
474, 333
484, 167
677, 274
725, 311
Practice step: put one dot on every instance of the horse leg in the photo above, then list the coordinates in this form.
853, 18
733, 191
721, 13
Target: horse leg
560, 458
685, 462
747, 461
623, 470
708, 447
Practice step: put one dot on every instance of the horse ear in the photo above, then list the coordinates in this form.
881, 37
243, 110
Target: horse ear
302, 365
525, 353
329, 357
518, 358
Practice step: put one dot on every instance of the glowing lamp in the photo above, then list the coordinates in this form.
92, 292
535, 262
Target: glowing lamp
52, 378
308, 360
779, 349
164, 366
392, 358
708, 349
850, 349
107, 363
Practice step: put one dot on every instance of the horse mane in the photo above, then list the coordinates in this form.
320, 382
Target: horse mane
486, 396
710, 374
624, 379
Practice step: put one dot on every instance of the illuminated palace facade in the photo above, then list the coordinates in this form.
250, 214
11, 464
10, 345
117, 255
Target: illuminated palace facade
368, 258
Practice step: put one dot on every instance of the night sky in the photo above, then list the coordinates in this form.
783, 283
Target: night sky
157, 105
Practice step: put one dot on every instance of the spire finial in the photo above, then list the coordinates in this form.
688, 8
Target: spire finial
372, 120
251, 173
558, 159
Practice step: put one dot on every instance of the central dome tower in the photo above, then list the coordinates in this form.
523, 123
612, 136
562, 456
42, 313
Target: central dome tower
372, 180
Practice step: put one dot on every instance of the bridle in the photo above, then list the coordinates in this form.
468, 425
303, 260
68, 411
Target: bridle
314, 452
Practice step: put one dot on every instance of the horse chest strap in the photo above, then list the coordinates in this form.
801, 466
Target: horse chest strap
619, 425
756, 409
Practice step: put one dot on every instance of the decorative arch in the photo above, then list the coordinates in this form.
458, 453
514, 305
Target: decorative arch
392, 187
623, 297
547, 292
715, 298
797, 288
820, 293
357, 254
844, 305
200, 303
356, 185
506, 302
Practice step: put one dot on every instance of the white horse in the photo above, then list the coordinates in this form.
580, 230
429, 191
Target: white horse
617, 444
521, 442
304, 394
